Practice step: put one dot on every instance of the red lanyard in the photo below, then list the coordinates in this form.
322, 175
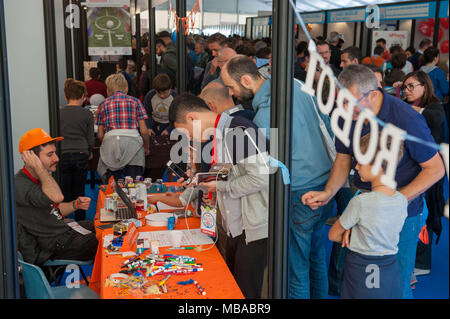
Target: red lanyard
34, 180
214, 160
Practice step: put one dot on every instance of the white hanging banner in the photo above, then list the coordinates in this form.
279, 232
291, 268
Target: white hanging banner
364, 159
444, 153
343, 134
107, 3
389, 155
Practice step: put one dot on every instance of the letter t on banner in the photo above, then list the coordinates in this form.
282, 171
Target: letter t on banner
389, 155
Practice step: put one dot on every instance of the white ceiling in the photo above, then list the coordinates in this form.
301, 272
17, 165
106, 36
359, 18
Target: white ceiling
253, 6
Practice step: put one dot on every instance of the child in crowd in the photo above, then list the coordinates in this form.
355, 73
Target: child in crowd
77, 128
374, 220
157, 103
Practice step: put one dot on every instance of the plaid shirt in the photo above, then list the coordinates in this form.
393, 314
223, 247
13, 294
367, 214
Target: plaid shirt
120, 111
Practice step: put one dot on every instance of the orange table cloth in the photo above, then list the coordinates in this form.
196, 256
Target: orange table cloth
215, 278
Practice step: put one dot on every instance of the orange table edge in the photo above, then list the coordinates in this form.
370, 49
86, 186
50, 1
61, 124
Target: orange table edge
216, 278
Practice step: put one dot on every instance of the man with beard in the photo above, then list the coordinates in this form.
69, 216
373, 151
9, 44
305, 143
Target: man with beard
310, 165
43, 230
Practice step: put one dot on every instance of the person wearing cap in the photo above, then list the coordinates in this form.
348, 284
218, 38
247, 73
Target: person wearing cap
43, 230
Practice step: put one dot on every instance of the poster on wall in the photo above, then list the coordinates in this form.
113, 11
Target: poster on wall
109, 28
392, 38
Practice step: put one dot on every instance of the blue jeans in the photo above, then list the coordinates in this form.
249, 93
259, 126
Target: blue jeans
307, 268
129, 170
406, 255
338, 253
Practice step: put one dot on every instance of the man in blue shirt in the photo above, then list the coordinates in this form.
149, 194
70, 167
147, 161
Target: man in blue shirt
310, 168
419, 168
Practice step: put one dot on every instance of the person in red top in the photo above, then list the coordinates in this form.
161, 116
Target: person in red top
94, 85
382, 43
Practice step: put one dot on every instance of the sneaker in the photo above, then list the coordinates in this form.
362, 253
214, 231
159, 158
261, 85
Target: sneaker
421, 272
413, 281
332, 220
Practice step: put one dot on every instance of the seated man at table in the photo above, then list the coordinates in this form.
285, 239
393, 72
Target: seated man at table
243, 197
43, 230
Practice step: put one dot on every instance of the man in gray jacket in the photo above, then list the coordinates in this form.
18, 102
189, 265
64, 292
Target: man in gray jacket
243, 197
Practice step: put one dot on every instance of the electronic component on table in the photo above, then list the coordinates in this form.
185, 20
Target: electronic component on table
178, 172
126, 211
181, 213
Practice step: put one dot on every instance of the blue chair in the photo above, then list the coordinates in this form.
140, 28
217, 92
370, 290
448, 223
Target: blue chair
56, 268
37, 286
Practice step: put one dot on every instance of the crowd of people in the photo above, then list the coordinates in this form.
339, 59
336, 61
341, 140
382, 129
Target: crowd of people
229, 88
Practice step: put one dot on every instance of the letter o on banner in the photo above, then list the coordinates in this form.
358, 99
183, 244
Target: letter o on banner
326, 109
389, 155
366, 158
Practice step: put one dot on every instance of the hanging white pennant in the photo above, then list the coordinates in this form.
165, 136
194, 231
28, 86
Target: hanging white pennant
389, 155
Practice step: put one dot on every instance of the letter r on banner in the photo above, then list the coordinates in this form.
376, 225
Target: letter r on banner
389, 155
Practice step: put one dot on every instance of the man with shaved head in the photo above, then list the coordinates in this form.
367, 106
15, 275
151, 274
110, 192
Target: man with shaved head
217, 97
224, 56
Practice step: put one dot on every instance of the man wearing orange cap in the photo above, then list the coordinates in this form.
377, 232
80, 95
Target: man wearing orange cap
44, 232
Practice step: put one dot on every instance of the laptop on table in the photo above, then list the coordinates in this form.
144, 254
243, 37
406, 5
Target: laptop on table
122, 213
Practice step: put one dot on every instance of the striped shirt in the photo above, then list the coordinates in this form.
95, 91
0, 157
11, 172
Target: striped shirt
120, 111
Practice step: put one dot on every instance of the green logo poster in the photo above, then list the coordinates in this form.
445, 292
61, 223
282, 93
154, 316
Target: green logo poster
109, 30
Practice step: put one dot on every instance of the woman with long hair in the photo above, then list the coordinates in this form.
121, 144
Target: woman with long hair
419, 92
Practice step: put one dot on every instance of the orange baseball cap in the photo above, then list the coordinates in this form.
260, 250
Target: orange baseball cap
35, 137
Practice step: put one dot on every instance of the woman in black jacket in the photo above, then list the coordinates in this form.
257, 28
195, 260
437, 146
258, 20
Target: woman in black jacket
419, 92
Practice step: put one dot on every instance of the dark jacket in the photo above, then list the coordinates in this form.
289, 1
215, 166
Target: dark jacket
415, 60
434, 115
169, 58
335, 58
